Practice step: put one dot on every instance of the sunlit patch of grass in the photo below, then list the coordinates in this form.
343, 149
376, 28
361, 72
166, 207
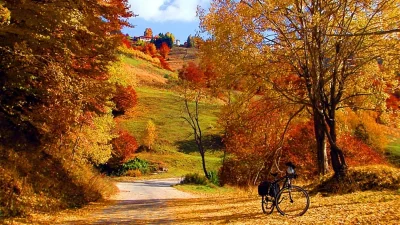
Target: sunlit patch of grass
393, 152
206, 190
165, 108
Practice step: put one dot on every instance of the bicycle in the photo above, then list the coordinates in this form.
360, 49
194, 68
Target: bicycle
291, 200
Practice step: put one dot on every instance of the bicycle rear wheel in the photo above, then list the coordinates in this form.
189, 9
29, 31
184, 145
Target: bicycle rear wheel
267, 204
292, 201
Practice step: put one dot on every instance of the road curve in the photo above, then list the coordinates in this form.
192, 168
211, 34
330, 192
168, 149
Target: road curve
142, 202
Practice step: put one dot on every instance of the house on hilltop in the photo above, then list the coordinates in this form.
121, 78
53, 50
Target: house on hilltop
142, 38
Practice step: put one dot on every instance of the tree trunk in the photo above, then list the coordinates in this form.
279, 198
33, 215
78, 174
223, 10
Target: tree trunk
337, 156
338, 161
204, 166
322, 159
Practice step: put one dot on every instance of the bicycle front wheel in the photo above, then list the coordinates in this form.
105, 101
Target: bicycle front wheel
267, 204
292, 201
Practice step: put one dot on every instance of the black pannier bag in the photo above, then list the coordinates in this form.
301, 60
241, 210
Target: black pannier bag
264, 189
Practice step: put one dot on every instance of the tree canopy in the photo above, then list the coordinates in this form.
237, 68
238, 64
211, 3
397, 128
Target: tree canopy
54, 61
324, 55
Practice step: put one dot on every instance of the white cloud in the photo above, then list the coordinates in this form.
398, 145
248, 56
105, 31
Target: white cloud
167, 10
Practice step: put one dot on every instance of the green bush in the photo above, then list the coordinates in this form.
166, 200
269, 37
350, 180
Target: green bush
214, 177
136, 164
194, 178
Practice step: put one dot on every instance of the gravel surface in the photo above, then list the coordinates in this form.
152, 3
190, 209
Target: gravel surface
142, 202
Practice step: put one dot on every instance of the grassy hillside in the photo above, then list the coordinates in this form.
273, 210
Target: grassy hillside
181, 55
164, 106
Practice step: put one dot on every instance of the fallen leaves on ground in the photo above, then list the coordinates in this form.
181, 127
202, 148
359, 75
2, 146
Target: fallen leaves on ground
356, 208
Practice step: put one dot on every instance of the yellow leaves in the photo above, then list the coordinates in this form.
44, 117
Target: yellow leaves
150, 135
95, 139
5, 15
122, 74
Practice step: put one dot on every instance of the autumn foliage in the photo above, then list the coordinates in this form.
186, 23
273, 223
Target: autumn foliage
164, 50
124, 147
300, 148
124, 99
192, 73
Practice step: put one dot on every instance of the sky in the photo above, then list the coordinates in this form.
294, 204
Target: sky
175, 16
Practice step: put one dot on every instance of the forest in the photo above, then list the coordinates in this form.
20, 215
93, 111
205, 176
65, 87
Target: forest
312, 82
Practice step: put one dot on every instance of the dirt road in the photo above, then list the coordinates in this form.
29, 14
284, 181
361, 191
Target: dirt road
140, 202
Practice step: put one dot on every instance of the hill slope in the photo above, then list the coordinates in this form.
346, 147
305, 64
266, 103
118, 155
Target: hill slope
159, 101
178, 56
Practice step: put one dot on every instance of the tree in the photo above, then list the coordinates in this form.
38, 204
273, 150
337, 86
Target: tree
192, 94
190, 42
124, 147
148, 32
192, 73
320, 54
52, 71
125, 98
168, 34
54, 62
150, 49
150, 135
164, 50
163, 38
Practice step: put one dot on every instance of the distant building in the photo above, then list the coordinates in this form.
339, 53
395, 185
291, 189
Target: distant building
178, 42
142, 38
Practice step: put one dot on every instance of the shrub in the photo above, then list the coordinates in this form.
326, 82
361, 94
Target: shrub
125, 98
139, 54
133, 173
240, 172
124, 148
136, 164
214, 178
194, 178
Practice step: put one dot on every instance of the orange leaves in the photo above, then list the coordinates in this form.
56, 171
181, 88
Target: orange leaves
125, 98
124, 147
164, 50
150, 49
359, 153
192, 73
148, 32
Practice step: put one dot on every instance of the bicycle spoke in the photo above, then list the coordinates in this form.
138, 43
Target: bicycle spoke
267, 204
293, 201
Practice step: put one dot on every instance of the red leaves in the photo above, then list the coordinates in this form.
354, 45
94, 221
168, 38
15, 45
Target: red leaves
359, 153
164, 50
300, 148
192, 73
164, 64
125, 98
126, 42
124, 147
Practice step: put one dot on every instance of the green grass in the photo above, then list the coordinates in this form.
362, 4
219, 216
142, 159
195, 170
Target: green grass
179, 164
208, 189
393, 150
132, 61
165, 109
174, 135
174, 145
